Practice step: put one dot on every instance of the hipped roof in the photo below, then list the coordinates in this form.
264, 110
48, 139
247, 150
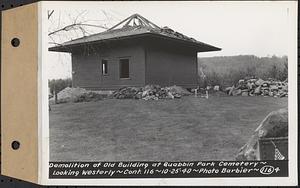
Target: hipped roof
134, 26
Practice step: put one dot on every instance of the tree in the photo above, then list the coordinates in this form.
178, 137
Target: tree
77, 25
57, 85
274, 71
213, 78
284, 73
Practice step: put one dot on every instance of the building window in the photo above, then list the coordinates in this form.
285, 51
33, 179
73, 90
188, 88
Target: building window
104, 67
124, 68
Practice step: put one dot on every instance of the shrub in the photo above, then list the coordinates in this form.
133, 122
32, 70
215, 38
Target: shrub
56, 85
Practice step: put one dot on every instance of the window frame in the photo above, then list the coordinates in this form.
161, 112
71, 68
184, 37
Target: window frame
106, 70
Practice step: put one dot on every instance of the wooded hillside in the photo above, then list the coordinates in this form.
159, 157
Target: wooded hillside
227, 70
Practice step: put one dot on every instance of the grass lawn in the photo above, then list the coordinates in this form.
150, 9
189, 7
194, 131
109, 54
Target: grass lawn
165, 130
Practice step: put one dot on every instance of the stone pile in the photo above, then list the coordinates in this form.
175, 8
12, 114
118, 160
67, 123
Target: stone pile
150, 92
259, 87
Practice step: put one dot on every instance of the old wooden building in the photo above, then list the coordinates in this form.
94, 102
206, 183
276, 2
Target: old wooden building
135, 52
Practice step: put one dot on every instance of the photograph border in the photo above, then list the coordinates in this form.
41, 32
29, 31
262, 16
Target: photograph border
43, 120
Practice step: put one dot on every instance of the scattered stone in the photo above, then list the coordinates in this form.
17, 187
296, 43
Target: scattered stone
236, 92
151, 92
231, 90
257, 90
245, 93
127, 93
227, 89
259, 82
256, 87
216, 88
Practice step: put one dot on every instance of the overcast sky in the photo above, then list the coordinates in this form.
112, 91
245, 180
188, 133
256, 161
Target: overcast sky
239, 28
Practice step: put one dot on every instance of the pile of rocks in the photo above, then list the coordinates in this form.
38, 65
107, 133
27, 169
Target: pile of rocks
150, 92
126, 93
256, 87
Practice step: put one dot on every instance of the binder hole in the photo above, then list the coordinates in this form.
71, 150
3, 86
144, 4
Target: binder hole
15, 145
15, 42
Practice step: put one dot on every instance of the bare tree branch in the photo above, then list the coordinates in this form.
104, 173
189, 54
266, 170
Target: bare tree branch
74, 26
70, 25
50, 12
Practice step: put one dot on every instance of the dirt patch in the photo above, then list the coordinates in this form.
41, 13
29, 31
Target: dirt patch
78, 95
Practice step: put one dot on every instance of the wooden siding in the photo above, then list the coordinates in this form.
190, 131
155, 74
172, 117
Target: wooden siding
87, 67
166, 65
152, 61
